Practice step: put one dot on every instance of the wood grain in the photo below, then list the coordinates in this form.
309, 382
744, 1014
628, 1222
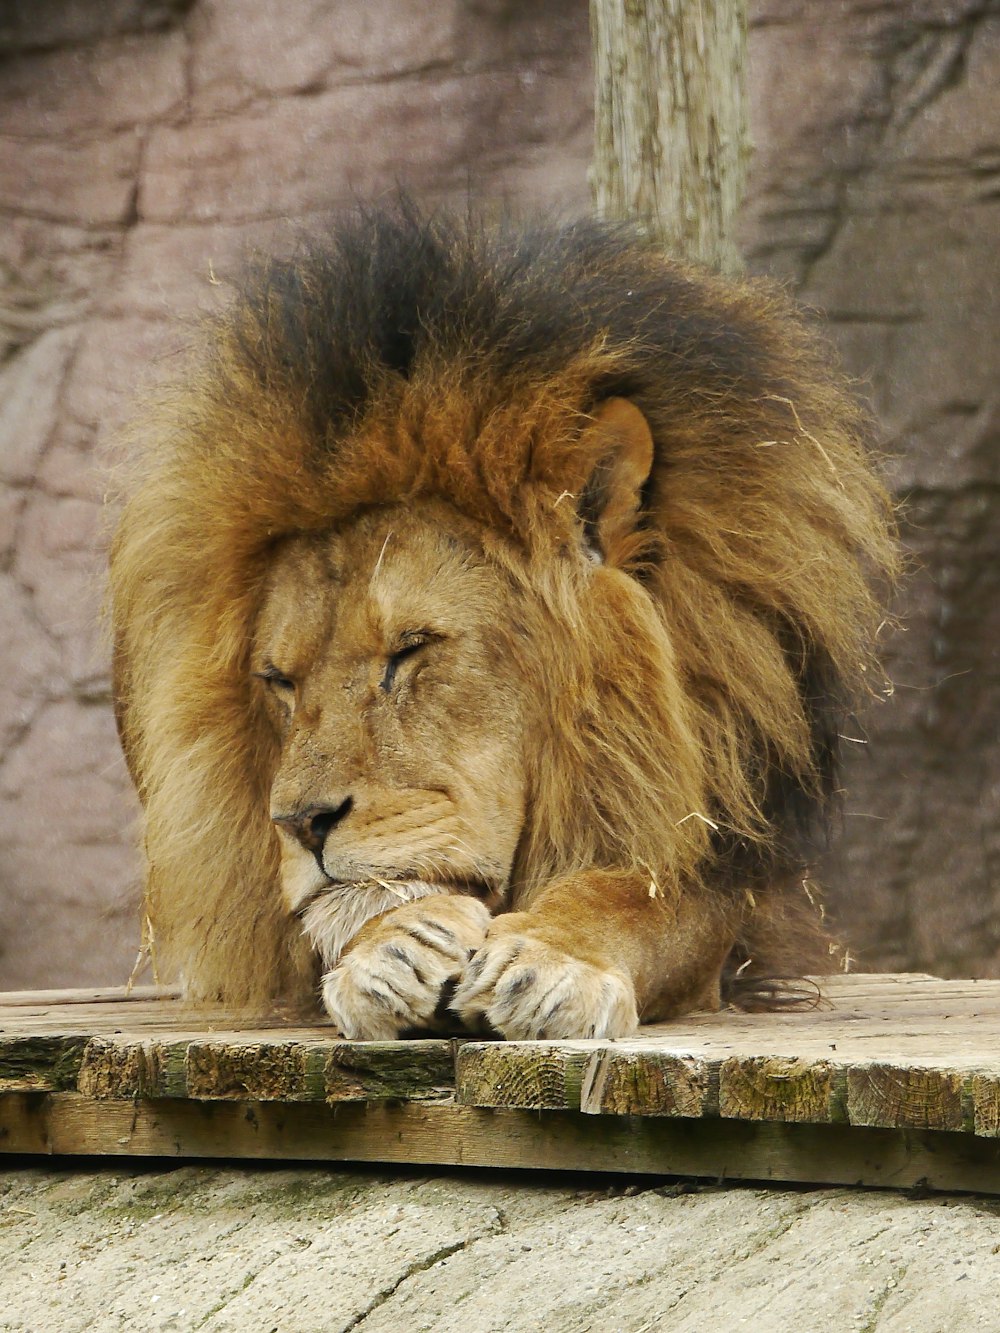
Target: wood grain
651, 1084
889, 1055
769, 1088
670, 135
901, 1098
69, 1124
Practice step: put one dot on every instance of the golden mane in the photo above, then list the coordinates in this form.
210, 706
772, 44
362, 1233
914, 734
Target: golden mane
400, 358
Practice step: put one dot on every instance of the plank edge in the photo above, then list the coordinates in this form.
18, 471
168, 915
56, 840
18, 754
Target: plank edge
448, 1135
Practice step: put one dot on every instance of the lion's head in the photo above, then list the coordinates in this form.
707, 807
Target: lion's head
400, 705
465, 559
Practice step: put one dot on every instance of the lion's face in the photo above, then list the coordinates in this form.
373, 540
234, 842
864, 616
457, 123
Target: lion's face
383, 656
582, 701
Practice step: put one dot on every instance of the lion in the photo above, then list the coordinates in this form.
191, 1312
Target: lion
488, 602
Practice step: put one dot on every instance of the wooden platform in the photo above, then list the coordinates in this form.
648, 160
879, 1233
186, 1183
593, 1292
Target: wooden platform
895, 1080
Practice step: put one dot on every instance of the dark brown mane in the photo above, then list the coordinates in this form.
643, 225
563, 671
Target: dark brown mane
401, 356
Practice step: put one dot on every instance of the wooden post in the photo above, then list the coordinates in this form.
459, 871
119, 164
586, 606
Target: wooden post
671, 139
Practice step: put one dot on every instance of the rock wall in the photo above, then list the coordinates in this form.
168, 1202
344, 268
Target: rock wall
145, 143
877, 193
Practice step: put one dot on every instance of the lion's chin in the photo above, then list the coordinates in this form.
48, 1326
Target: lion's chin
334, 915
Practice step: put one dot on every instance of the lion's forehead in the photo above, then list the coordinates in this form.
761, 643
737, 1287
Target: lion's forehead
360, 587
299, 593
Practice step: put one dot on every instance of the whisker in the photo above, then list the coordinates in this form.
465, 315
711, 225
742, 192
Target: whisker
378, 562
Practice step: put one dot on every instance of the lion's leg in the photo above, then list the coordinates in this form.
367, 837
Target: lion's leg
394, 975
593, 954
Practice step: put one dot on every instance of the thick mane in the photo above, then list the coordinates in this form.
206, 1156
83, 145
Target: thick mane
401, 356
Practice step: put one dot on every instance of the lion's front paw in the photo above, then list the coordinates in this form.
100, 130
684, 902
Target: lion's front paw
396, 976
526, 987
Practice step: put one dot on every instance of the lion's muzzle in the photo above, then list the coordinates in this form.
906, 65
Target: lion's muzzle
312, 825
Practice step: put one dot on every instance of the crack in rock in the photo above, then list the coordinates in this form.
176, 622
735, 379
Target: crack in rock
497, 1228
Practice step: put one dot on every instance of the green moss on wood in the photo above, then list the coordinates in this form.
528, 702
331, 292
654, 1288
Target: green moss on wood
376, 1071
40, 1064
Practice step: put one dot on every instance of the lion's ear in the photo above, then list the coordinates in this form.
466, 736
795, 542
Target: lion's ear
618, 435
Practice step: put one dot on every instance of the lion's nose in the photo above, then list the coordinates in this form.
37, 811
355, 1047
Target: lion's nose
312, 825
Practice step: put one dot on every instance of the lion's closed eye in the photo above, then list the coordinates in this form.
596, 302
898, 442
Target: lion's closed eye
410, 646
277, 680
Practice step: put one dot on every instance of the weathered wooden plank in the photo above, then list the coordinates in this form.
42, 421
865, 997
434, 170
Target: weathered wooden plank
892, 1096
985, 1093
40, 1063
529, 1075
891, 1051
428, 1134
84, 995
375, 1071
236, 1067
854, 1042
873, 991
861, 1009
615, 1080
118, 1069
773, 1088
128, 1066
234, 1070
611, 1079
652, 1083
156, 1016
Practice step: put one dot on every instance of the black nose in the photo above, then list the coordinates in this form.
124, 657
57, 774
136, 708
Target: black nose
312, 825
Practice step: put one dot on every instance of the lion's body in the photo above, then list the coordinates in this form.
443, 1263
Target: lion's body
407, 431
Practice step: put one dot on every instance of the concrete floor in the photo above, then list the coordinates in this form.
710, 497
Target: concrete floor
275, 1250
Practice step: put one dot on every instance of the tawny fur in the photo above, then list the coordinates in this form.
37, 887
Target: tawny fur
692, 714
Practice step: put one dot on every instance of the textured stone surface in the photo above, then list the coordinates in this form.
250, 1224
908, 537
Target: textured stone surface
143, 146
293, 1251
878, 194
